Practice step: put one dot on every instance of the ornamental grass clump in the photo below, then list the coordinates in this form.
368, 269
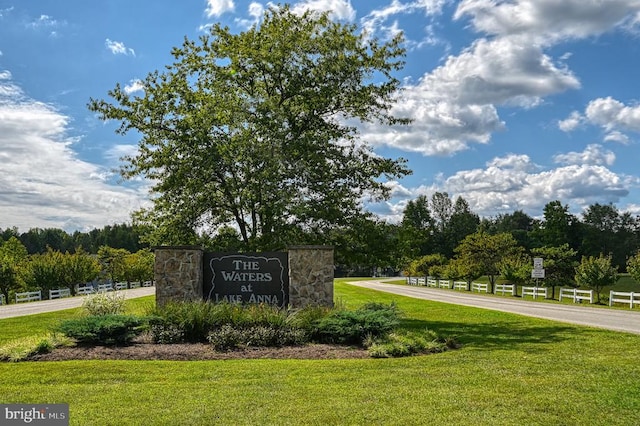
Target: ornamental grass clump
104, 304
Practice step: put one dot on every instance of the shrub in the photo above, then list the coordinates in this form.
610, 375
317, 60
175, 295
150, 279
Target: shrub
103, 329
104, 303
352, 327
229, 337
193, 321
405, 344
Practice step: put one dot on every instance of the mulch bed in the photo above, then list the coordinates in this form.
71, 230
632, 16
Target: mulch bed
142, 349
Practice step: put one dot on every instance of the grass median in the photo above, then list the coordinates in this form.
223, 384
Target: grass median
512, 370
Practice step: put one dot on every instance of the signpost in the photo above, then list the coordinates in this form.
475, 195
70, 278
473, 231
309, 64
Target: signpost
538, 269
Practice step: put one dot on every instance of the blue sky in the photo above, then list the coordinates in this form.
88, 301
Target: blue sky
514, 103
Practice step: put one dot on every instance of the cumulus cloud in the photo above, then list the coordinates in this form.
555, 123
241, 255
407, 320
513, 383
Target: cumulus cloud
134, 86
42, 181
255, 11
612, 115
216, 8
338, 9
593, 154
547, 21
118, 48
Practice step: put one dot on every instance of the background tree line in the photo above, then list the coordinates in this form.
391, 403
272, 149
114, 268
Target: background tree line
53, 269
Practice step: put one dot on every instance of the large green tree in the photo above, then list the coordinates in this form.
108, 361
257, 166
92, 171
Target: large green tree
258, 129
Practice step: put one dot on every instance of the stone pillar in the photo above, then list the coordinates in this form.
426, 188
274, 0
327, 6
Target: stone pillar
310, 276
178, 273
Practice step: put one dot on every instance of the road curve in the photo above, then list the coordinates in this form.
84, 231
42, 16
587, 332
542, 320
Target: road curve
30, 308
610, 319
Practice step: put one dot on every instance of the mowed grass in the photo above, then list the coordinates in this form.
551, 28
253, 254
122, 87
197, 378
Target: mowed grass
512, 370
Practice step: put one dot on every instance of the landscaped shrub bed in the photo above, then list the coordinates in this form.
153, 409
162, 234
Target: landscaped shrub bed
373, 326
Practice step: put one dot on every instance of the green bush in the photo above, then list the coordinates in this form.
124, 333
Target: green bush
409, 343
352, 327
104, 304
229, 337
193, 321
103, 329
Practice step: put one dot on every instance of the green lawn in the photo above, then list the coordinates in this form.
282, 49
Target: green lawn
512, 370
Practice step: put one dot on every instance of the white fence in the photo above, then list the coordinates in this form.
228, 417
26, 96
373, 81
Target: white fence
121, 286
459, 285
534, 291
28, 296
59, 293
576, 295
2, 302
87, 289
505, 288
147, 284
480, 287
105, 287
444, 283
629, 298
432, 282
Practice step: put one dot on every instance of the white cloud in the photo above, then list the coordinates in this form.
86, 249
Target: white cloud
216, 8
593, 154
612, 114
118, 48
42, 181
515, 182
616, 136
134, 86
255, 11
571, 123
338, 9
548, 21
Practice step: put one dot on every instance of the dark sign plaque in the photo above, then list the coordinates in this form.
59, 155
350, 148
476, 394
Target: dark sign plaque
247, 278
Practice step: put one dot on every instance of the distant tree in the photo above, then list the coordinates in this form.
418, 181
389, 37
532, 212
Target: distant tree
463, 269
13, 255
112, 262
79, 268
46, 271
516, 269
633, 266
138, 266
484, 253
559, 266
558, 227
416, 229
462, 222
519, 224
255, 130
427, 265
596, 273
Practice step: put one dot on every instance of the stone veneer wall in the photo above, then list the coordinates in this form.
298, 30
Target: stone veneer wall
178, 274
310, 276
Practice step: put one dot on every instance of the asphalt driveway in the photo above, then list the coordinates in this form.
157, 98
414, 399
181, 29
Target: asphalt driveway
610, 319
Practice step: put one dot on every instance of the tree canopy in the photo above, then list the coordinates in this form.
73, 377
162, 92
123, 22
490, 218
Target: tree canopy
257, 130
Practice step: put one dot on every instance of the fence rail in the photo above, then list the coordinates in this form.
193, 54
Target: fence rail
480, 287
28, 296
59, 293
459, 285
576, 295
629, 298
534, 291
505, 288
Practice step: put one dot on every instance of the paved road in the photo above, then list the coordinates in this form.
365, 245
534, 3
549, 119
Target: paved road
611, 319
30, 308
